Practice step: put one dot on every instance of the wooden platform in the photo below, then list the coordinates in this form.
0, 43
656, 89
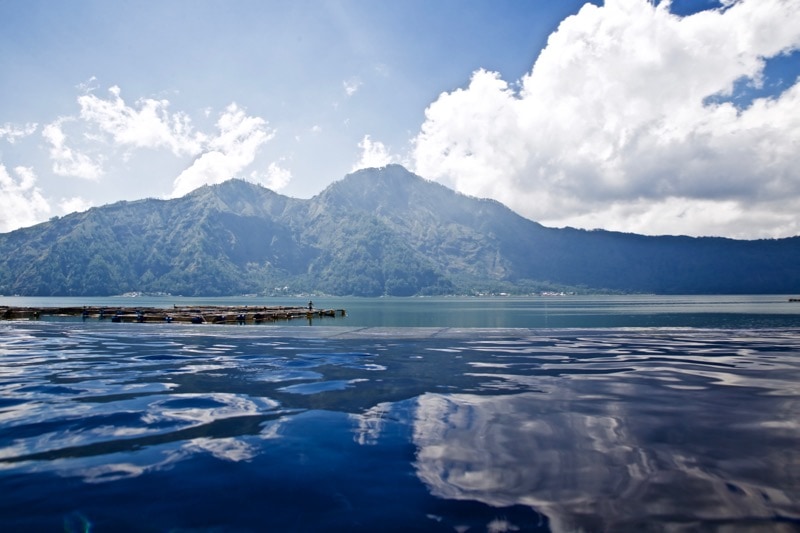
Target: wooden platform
204, 314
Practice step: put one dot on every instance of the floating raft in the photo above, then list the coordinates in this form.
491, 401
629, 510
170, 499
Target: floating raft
202, 314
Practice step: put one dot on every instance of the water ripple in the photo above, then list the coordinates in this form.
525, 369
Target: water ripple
598, 430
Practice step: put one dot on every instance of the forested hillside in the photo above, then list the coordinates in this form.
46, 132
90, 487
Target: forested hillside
375, 232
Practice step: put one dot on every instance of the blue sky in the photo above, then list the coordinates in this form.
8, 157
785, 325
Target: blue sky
677, 118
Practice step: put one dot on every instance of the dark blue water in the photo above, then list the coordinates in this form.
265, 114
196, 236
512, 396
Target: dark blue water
352, 426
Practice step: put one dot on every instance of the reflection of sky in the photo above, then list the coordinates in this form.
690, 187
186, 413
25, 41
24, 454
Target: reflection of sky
83, 424
601, 430
614, 431
594, 465
126, 465
105, 404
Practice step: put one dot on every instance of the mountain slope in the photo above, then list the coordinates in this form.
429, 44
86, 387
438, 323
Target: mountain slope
377, 231
477, 240
203, 243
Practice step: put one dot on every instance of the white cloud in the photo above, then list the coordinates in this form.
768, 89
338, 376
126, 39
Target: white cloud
148, 124
108, 126
68, 161
373, 154
276, 177
12, 132
88, 85
21, 201
613, 127
351, 86
233, 148
76, 204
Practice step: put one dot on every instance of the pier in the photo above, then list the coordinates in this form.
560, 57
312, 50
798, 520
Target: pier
192, 314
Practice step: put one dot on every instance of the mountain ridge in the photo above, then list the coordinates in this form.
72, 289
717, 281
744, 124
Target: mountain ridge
375, 232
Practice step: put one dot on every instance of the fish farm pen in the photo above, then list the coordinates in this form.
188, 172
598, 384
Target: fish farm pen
193, 314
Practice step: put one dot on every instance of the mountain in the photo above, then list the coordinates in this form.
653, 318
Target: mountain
375, 232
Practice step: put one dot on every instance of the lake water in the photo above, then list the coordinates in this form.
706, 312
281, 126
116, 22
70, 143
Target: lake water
624, 413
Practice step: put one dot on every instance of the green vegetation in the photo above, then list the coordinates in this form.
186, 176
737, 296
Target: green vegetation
376, 232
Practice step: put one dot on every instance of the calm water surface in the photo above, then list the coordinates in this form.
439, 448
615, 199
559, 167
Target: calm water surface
496, 414
505, 312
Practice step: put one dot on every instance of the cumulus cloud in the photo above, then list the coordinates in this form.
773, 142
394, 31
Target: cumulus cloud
276, 177
75, 204
147, 124
12, 132
227, 153
373, 154
109, 125
21, 201
68, 161
623, 123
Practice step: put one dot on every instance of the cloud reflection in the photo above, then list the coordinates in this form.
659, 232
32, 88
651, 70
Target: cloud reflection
92, 426
585, 467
